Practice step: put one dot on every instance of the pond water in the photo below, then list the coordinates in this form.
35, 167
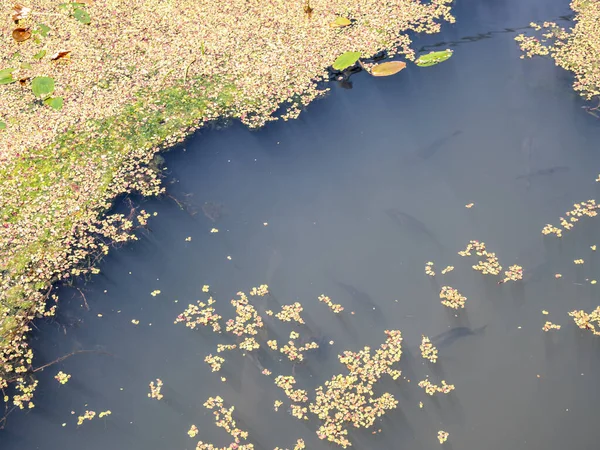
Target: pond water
351, 201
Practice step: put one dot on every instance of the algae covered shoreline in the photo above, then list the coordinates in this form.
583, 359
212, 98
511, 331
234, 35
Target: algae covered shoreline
122, 104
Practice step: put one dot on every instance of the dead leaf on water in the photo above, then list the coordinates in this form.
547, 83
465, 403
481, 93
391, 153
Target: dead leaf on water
21, 34
387, 68
21, 12
61, 54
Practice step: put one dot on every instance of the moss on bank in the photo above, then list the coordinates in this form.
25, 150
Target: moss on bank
119, 149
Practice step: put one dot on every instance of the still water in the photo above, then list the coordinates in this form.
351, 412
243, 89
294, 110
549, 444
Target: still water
351, 201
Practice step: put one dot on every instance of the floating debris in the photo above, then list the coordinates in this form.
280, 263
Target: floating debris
429, 269
550, 326
291, 312
205, 288
225, 347
469, 205
428, 350
62, 377
200, 314
88, 415
489, 266
260, 291
102, 414
442, 436
155, 389
578, 261
135, 321
336, 308
348, 399
431, 388
193, 431
452, 298
447, 269
224, 419
155, 293
214, 230
215, 362
585, 320
514, 273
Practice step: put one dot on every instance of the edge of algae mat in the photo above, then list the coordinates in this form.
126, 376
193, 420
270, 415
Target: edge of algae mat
181, 110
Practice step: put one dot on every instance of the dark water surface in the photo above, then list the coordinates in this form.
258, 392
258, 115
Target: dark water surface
358, 194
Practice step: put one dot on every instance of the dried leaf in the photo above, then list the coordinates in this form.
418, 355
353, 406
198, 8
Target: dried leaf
387, 68
21, 12
23, 81
61, 54
340, 22
21, 34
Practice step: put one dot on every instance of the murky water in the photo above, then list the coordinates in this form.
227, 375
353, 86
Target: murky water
361, 191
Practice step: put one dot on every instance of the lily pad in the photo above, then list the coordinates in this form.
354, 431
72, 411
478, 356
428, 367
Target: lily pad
433, 58
387, 68
82, 16
42, 86
2, 125
54, 102
340, 22
21, 34
6, 76
43, 29
346, 60
39, 55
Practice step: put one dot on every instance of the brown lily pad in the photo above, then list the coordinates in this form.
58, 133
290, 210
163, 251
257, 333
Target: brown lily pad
21, 34
387, 68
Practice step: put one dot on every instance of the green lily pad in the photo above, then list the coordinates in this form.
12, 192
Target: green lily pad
346, 60
39, 55
42, 86
82, 16
433, 58
2, 125
54, 102
43, 29
6, 76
